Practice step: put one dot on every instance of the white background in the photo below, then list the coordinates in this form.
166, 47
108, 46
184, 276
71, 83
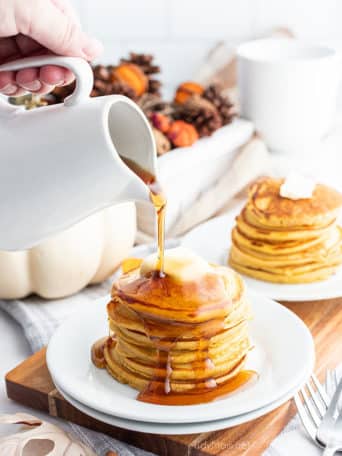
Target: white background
180, 32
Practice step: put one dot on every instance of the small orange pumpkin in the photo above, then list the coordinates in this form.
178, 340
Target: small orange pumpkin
133, 76
186, 90
182, 134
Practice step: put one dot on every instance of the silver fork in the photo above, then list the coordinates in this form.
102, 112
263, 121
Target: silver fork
312, 403
330, 429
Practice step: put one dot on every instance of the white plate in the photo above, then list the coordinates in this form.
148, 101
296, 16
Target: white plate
212, 241
283, 350
180, 429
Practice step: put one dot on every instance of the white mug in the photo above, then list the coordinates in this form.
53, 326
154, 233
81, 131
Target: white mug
289, 90
61, 163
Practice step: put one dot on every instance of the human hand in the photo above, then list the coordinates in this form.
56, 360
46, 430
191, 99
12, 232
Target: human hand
36, 27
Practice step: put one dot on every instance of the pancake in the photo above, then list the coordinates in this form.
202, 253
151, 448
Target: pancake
182, 333
282, 240
271, 209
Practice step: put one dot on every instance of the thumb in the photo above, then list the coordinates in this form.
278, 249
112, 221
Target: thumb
56, 31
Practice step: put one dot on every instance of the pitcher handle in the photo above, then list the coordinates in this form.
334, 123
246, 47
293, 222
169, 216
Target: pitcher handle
80, 67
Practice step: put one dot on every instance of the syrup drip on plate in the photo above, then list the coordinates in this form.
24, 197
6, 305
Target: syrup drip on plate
198, 395
97, 353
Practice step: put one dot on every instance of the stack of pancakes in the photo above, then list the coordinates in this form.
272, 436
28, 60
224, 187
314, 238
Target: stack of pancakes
284, 240
181, 332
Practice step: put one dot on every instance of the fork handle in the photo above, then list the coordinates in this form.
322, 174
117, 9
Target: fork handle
329, 451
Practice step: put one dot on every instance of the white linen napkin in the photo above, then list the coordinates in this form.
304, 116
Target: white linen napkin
39, 318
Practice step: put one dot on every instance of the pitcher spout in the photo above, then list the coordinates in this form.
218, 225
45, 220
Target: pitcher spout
133, 140
136, 190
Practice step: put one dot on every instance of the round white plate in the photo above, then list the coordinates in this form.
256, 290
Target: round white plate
283, 350
212, 241
185, 428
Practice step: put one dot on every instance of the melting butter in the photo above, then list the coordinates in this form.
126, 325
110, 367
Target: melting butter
297, 186
180, 263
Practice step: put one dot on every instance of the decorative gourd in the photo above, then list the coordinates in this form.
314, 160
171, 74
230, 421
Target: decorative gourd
87, 253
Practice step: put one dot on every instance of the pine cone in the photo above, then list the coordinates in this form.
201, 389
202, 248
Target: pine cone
150, 103
102, 88
154, 86
201, 114
162, 143
225, 108
102, 73
144, 61
106, 84
102, 81
119, 88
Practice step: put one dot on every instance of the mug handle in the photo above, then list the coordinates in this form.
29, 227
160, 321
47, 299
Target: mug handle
80, 67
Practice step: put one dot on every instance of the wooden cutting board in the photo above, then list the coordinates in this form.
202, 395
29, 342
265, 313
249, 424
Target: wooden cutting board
30, 384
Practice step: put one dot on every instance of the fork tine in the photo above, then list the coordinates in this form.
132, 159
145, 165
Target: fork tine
311, 411
335, 379
319, 404
339, 421
329, 382
304, 417
333, 407
322, 393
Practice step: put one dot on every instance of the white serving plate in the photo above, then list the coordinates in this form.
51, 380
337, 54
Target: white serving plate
283, 352
212, 240
184, 428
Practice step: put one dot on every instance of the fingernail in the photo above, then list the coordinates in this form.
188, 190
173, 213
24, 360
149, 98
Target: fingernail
93, 48
9, 89
32, 86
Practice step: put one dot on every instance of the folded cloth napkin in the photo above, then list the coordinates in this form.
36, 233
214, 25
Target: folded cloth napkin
251, 162
39, 318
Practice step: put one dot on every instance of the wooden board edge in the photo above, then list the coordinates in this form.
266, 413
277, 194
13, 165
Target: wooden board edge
39, 356
25, 396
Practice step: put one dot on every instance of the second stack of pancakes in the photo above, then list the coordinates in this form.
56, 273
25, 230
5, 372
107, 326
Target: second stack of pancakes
283, 240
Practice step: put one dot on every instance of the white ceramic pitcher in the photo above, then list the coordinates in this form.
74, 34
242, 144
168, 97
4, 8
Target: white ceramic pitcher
60, 163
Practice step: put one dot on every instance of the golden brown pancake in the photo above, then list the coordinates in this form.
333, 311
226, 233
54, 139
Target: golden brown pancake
271, 209
287, 241
185, 332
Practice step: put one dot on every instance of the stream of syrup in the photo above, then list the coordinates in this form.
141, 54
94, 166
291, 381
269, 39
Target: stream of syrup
165, 332
158, 200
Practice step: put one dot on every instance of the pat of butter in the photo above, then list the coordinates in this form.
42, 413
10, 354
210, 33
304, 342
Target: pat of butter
179, 263
297, 187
